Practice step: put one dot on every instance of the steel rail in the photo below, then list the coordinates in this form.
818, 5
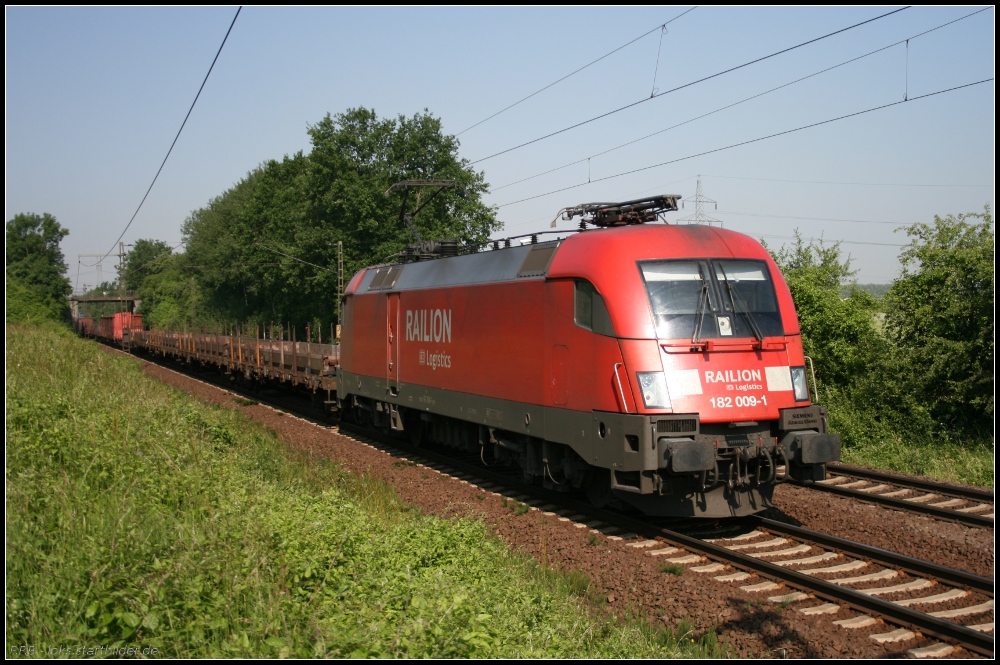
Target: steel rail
888, 558
958, 491
972, 640
969, 519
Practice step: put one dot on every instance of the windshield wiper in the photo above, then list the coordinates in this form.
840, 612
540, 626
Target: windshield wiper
740, 306
700, 312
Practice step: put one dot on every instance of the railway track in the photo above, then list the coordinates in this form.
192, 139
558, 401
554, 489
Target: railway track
966, 505
814, 573
783, 564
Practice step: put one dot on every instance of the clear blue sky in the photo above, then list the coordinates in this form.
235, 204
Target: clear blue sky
94, 97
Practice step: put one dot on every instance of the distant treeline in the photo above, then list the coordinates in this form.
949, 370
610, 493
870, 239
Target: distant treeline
877, 290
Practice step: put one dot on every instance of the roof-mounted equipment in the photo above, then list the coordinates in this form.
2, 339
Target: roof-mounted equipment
422, 249
638, 211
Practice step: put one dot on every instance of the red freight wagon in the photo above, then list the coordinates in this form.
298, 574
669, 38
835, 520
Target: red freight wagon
85, 326
113, 326
658, 364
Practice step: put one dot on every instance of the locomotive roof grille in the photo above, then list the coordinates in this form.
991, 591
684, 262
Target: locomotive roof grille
536, 263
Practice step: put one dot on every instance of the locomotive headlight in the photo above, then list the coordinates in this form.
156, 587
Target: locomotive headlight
799, 384
654, 390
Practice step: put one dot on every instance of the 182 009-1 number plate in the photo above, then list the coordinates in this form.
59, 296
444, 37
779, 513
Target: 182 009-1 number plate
741, 401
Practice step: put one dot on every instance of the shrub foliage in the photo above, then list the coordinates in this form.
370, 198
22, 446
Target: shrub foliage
908, 379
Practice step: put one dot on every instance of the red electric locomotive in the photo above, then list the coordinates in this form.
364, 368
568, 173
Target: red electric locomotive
654, 364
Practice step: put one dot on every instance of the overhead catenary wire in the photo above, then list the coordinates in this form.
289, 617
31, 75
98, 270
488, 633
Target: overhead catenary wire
737, 103
577, 71
271, 249
171, 149
835, 182
686, 85
814, 219
836, 242
748, 142
656, 69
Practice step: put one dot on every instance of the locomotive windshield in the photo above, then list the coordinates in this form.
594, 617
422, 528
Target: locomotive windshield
712, 298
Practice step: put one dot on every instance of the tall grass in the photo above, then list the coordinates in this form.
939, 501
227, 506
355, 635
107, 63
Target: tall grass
137, 516
896, 445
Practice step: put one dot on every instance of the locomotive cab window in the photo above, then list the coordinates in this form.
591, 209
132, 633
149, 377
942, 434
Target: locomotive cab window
589, 310
746, 283
711, 298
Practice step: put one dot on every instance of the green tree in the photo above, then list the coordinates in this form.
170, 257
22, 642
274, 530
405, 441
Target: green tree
171, 296
34, 256
838, 332
36, 268
232, 247
266, 250
356, 157
939, 317
146, 258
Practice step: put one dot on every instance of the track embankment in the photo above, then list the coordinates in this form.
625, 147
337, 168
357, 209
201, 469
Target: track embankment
626, 579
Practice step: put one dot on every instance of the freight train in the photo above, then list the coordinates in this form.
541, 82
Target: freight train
650, 365
114, 327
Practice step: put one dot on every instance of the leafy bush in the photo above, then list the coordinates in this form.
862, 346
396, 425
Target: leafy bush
33, 256
837, 331
914, 394
29, 304
939, 316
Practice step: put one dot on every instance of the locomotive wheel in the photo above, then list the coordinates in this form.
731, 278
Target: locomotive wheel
599, 487
414, 428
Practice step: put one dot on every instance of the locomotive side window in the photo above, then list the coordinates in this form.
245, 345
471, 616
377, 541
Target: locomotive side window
589, 311
345, 310
711, 298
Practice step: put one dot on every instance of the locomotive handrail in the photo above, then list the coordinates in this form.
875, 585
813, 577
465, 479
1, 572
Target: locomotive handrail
621, 390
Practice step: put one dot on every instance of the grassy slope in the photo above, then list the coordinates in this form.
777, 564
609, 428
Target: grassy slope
138, 516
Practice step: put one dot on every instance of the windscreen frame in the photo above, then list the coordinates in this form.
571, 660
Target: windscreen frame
720, 319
